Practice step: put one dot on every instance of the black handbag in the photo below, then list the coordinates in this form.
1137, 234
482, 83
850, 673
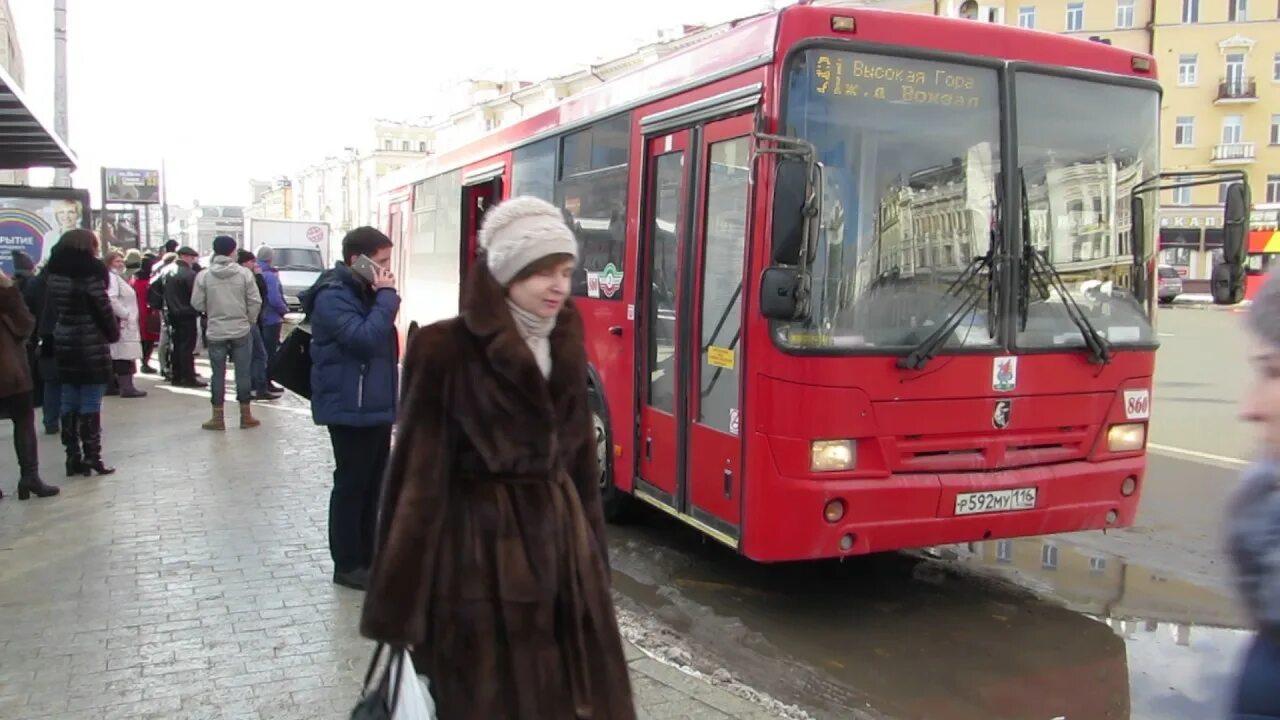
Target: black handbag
291, 367
378, 700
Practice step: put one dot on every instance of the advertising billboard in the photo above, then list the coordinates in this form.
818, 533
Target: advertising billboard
118, 229
137, 187
32, 220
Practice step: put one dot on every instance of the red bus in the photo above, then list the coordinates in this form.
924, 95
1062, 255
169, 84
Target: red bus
853, 280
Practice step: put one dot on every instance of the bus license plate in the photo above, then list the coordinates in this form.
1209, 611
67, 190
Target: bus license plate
993, 501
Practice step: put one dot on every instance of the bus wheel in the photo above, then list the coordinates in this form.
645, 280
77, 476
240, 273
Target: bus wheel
615, 502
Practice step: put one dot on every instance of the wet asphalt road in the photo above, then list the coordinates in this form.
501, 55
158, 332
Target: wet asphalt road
1136, 624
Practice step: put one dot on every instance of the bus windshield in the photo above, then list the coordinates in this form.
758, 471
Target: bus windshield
911, 152
911, 156
1079, 162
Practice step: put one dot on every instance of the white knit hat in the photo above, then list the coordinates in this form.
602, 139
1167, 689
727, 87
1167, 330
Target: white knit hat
521, 231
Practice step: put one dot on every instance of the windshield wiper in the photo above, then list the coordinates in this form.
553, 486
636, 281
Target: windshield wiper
972, 293
1045, 276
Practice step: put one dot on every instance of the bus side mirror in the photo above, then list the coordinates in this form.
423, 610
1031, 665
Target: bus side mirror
790, 192
784, 293
1235, 220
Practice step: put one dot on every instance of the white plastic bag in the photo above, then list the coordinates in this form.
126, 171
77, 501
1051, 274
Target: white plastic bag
413, 698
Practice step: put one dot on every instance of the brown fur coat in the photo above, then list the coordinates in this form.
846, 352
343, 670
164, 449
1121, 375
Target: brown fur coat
492, 560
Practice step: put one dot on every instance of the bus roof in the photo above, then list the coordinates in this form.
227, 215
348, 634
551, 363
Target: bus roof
755, 41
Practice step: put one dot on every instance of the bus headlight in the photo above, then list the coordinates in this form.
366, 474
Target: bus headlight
1127, 437
832, 455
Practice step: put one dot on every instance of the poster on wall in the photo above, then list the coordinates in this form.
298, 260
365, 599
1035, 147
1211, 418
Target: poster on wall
118, 229
32, 220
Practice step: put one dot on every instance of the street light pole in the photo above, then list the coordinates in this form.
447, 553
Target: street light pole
62, 177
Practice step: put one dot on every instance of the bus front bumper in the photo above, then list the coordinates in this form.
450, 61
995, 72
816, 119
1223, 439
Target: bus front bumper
786, 516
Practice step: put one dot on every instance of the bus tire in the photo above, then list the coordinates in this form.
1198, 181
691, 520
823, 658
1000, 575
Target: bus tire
615, 503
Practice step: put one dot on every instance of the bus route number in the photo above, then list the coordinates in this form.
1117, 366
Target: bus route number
1137, 404
882, 80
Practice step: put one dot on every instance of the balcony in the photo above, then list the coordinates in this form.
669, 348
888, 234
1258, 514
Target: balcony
1241, 153
1237, 90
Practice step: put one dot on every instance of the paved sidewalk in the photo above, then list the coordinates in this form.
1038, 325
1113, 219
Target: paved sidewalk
195, 582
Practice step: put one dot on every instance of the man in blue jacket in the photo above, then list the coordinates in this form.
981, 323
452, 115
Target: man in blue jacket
354, 353
274, 307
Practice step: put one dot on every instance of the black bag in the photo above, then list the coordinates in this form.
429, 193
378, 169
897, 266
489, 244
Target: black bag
291, 367
378, 701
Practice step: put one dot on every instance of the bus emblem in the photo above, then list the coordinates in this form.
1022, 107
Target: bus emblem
1004, 374
1003, 412
610, 280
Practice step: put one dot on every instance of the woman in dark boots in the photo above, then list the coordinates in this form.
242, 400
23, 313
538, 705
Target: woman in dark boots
492, 562
16, 325
127, 351
79, 319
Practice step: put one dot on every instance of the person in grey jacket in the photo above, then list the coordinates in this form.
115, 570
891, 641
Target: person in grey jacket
228, 296
1253, 533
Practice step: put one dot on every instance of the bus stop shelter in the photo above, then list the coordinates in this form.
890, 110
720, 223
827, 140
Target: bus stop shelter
25, 140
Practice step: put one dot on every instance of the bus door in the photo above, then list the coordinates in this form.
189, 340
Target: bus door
690, 433
667, 199
481, 190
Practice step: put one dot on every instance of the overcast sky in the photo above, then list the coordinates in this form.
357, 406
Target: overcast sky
228, 90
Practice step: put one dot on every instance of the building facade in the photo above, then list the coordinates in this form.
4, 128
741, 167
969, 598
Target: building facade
11, 60
1219, 63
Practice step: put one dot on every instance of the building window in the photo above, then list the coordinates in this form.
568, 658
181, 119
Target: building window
1235, 74
1124, 13
1184, 131
1232, 129
386, 145
1237, 10
404, 145
422, 146
1188, 69
1004, 551
1181, 196
1273, 188
1075, 16
1275, 67
1190, 11
1097, 565
1027, 16
1275, 129
1049, 557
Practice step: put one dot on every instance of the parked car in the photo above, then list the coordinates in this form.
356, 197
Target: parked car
1170, 285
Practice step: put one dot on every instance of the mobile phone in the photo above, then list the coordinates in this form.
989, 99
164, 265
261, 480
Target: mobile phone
365, 268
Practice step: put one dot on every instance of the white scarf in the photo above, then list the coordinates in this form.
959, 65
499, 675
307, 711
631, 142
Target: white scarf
536, 332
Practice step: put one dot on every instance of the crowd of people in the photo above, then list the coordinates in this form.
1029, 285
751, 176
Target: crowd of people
81, 327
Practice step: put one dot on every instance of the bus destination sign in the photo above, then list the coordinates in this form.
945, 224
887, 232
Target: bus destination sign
895, 80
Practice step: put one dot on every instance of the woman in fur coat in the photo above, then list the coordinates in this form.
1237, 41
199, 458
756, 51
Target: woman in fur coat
492, 563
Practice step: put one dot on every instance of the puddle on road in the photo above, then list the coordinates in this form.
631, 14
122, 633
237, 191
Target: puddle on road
908, 637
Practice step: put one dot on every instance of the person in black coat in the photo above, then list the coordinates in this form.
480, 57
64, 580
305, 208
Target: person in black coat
79, 328
34, 293
183, 319
24, 271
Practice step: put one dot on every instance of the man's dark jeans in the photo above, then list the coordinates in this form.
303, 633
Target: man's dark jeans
361, 456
